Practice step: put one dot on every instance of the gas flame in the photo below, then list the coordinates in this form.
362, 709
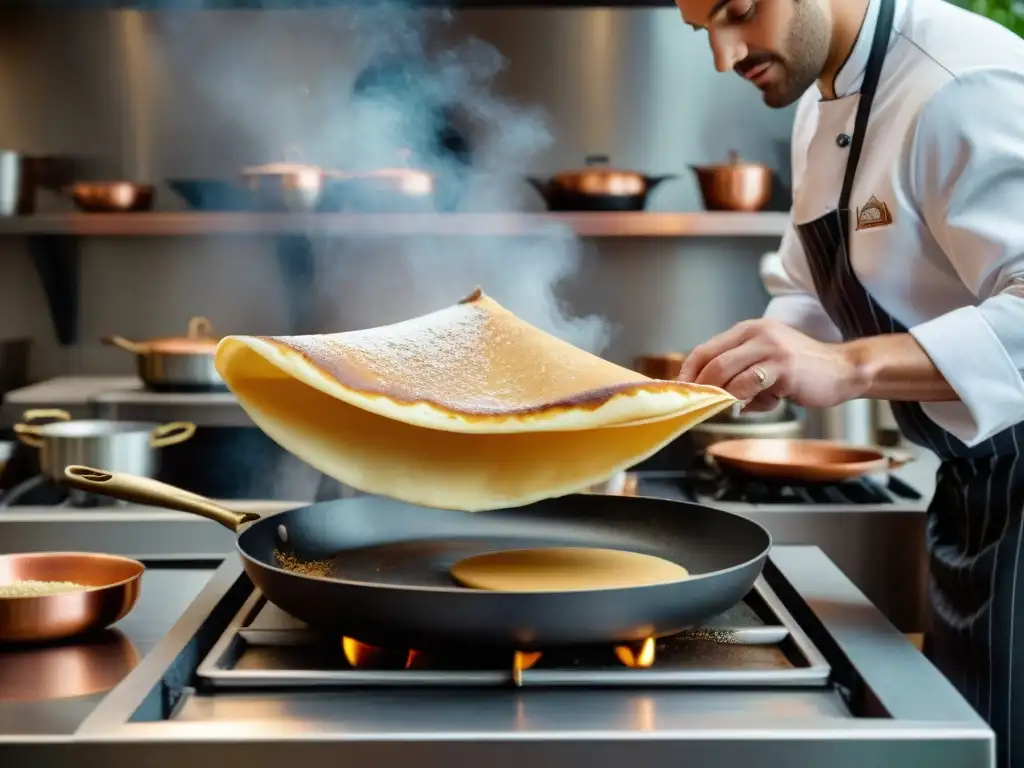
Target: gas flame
636, 659
363, 656
358, 654
521, 662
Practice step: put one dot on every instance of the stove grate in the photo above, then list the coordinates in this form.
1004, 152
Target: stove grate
756, 643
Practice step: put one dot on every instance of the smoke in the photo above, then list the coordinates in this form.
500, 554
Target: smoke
379, 86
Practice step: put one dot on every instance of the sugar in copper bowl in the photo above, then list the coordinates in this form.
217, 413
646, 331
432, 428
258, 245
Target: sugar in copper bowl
97, 590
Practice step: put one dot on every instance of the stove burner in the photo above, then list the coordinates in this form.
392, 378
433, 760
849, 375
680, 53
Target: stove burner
755, 643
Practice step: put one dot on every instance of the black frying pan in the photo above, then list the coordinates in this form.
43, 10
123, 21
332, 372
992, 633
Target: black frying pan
376, 570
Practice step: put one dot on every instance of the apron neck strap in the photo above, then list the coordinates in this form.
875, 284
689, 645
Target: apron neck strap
879, 47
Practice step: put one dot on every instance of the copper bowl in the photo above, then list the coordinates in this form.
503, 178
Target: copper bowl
112, 589
734, 186
111, 196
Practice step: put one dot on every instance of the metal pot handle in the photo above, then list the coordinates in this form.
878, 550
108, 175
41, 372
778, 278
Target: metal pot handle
29, 434
122, 343
172, 434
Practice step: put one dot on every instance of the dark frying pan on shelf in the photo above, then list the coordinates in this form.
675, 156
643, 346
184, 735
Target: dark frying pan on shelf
597, 187
212, 194
376, 570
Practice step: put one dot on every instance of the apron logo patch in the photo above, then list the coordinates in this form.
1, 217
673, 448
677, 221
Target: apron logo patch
875, 213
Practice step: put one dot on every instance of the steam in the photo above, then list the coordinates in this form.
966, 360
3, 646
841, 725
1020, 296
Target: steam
389, 279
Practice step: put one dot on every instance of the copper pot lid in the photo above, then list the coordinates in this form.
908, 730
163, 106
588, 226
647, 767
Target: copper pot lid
733, 163
599, 178
199, 340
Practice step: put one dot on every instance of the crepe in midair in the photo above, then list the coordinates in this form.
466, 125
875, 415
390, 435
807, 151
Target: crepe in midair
466, 408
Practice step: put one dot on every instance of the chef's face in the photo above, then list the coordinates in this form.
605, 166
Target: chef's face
781, 46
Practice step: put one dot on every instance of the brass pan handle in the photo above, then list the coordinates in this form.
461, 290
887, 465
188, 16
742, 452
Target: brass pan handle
172, 434
144, 490
35, 414
30, 434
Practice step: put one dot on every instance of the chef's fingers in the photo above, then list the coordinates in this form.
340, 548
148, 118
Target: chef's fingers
729, 364
712, 348
765, 401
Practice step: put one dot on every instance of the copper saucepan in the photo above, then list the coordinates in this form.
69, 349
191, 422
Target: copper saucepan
177, 363
734, 185
820, 461
108, 588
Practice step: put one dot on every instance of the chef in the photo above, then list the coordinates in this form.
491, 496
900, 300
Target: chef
902, 279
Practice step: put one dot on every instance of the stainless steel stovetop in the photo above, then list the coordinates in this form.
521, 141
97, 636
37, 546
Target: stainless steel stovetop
805, 672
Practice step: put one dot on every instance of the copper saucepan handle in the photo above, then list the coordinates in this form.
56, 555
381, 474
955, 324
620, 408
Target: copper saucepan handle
125, 344
144, 490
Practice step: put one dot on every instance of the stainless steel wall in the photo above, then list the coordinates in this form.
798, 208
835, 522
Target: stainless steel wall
202, 93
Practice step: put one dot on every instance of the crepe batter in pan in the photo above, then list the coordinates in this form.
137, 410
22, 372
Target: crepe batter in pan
559, 569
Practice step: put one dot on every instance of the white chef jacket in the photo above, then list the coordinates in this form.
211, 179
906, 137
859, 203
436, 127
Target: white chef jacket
944, 152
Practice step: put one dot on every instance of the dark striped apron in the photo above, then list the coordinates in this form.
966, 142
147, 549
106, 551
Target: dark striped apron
975, 524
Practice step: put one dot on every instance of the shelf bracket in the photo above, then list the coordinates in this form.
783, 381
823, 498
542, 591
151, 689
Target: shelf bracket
297, 263
56, 259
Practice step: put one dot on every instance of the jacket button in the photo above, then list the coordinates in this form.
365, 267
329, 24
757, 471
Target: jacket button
843, 140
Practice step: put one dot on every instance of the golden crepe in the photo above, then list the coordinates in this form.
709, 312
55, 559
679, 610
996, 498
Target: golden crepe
465, 408
558, 569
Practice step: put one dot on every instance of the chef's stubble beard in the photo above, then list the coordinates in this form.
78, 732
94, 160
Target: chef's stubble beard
806, 53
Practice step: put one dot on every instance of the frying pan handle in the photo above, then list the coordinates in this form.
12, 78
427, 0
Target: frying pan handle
144, 490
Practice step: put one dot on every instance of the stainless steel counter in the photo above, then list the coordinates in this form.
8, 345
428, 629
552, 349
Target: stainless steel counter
48, 691
887, 706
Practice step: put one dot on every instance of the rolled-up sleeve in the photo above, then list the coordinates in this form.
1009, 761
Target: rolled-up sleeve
787, 279
967, 180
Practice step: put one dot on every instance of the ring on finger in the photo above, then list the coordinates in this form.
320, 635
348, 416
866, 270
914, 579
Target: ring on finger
765, 379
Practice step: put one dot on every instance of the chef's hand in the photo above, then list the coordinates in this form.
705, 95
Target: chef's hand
764, 360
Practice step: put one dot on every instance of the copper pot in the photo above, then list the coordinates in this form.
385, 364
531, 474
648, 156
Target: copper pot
111, 196
734, 186
177, 363
597, 187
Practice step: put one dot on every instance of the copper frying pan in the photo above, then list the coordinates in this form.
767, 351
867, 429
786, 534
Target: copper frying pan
816, 461
111, 590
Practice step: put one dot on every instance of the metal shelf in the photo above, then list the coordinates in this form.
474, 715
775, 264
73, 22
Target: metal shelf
700, 224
